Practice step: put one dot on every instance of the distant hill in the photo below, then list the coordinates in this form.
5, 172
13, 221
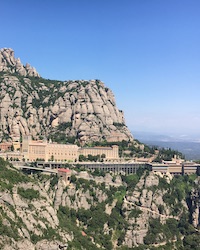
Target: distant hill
188, 146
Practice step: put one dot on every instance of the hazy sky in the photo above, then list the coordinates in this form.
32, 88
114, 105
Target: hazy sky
146, 51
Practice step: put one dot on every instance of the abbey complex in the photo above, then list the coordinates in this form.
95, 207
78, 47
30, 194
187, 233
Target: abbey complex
45, 120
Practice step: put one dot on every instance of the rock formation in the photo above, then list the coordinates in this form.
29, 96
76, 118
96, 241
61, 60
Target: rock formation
94, 212
29, 104
8, 63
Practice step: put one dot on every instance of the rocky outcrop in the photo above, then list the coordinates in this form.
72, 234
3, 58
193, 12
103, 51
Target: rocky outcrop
33, 217
8, 63
82, 198
85, 110
147, 202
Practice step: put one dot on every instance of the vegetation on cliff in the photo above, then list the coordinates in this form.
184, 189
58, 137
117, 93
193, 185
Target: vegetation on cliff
95, 211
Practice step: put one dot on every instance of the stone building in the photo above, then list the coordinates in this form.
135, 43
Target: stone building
176, 169
48, 151
43, 150
5, 146
65, 174
110, 153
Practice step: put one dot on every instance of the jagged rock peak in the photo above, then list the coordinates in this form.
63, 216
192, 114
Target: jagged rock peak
8, 63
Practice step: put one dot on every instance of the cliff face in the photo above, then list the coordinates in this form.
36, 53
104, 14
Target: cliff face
85, 110
95, 211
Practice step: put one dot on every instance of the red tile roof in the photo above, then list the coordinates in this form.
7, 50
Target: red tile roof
64, 170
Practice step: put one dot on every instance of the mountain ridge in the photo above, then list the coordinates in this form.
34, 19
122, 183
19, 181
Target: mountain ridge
79, 109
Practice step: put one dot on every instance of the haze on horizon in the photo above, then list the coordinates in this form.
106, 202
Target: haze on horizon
147, 52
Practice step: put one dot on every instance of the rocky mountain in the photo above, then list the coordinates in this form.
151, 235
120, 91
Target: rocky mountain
81, 110
98, 211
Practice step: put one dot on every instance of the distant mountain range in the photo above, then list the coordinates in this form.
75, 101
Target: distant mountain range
188, 145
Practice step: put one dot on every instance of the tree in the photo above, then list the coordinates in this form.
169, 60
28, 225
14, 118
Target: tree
82, 158
191, 241
73, 178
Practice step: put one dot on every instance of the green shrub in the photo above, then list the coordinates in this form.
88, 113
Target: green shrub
135, 212
9, 177
29, 193
54, 181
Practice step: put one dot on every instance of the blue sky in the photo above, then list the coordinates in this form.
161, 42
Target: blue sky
147, 52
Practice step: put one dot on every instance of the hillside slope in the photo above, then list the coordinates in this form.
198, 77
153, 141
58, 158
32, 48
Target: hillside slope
71, 110
98, 211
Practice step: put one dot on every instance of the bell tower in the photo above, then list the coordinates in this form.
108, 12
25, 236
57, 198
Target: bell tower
26, 139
